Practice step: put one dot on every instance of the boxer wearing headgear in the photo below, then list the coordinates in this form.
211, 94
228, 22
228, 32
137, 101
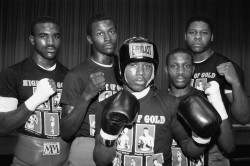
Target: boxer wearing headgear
138, 61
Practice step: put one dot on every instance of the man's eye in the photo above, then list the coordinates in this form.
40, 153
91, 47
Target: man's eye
112, 31
42, 36
173, 66
99, 34
204, 33
57, 36
191, 32
148, 65
132, 64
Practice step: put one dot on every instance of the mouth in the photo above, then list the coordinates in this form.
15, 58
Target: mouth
197, 44
140, 81
50, 49
180, 79
109, 45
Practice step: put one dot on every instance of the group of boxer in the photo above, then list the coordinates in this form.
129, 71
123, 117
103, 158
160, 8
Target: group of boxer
114, 98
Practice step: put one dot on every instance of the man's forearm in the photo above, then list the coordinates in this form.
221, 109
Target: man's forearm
240, 106
191, 148
71, 123
12, 120
226, 136
103, 156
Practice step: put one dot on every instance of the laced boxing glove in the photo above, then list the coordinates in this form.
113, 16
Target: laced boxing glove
45, 88
200, 116
121, 109
214, 97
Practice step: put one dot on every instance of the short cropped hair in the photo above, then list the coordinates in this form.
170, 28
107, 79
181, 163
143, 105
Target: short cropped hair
41, 19
179, 50
96, 18
200, 18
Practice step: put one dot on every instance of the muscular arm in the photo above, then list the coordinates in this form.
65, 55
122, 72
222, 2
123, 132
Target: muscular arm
72, 117
191, 148
187, 144
103, 156
11, 119
226, 136
239, 104
238, 99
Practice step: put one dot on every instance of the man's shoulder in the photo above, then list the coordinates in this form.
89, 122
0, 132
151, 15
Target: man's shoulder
84, 66
164, 94
16, 68
220, 58
20, 64
62, 67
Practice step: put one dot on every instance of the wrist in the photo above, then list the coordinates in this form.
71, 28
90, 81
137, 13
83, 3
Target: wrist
199, 139
87, 97
107, 139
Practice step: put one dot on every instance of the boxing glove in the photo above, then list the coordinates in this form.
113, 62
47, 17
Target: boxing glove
120, 110
200, 116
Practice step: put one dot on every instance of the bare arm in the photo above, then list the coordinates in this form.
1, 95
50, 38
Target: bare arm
191, 148
14, 118
72, 117
103, 156
226, 136
238, 99
239, 105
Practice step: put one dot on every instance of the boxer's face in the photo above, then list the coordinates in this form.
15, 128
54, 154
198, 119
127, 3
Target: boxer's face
180, 70
198, 37
103, 37
46, 40
137, 75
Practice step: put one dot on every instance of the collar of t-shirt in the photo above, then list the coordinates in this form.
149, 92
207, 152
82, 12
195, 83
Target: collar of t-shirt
111, 65
141, 94
49, 69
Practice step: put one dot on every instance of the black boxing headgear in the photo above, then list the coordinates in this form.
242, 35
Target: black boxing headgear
137, 49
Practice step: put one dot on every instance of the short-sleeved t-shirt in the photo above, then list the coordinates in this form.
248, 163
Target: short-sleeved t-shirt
75, 84
19, 81
152, 134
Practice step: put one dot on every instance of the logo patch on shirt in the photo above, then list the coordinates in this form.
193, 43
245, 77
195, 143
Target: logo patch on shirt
51, 148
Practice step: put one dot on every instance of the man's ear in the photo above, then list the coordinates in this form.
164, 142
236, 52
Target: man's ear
185, 36
89, 39
165, 69
32, 39
212, 37
193, 69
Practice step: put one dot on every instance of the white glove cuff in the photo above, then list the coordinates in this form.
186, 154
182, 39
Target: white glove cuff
108, 136
200, 140
214, 97
31, 103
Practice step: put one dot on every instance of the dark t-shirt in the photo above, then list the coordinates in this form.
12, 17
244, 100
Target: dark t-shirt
151, 136
74, 85
19, 81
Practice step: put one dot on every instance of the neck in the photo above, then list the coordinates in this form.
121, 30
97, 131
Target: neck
179, 92
103, 59
45, 63
198, 57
